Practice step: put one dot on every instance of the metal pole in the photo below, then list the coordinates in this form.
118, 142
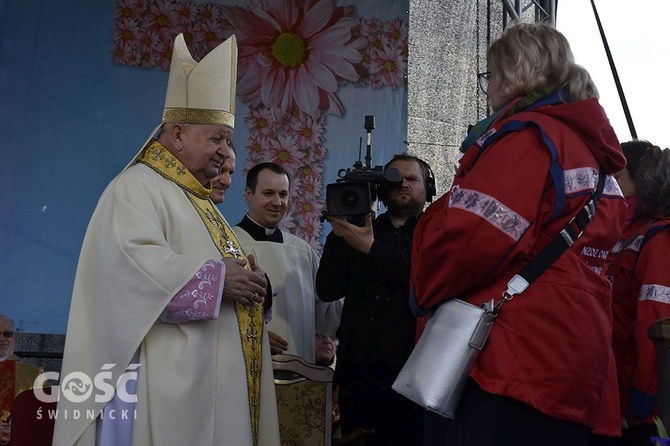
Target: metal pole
510, 10
619, 88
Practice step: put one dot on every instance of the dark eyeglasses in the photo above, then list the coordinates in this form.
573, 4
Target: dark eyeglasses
483, 80
7, 334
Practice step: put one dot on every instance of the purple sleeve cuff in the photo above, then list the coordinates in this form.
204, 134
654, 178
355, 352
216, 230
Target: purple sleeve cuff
200, 298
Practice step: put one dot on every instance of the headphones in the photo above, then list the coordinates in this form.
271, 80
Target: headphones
431, 190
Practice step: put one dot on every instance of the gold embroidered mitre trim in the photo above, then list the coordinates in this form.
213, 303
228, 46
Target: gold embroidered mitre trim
199, 116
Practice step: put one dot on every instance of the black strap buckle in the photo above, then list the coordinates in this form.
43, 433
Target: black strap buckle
575, 227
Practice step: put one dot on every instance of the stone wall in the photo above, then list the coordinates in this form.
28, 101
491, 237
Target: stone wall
447, 48
44, 350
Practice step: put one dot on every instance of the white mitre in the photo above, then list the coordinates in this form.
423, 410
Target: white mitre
200, 92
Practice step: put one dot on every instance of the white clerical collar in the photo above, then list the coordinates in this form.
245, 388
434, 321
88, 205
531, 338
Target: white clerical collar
268, 231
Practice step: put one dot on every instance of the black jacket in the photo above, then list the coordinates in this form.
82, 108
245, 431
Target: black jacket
377, 325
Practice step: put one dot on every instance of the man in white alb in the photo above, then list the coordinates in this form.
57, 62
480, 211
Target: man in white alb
290, 263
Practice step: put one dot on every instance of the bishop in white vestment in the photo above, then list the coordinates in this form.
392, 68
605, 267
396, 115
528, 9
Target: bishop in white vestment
166, 317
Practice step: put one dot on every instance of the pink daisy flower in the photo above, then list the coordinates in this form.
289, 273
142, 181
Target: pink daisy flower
296, 188
131, 54
388, 67
396, 30
189, 32
208, 12
315, 154
287, 224
162, 19
285, 152
311, 230
260, 120
257, 145
126, 30
148, 59
120, 52
307, 170
185, 11
293, 53
308, 130
207, 36
129, 9
163, 52
312, 186
312, 225
149, 40
371, 27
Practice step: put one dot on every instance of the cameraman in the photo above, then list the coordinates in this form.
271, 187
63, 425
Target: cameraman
370, 265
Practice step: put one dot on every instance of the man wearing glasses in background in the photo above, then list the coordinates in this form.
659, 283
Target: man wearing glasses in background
15, 375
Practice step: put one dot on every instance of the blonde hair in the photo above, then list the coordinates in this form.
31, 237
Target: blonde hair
530, 56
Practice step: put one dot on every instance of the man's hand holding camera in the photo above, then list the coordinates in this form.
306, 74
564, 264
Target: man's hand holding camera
358, 237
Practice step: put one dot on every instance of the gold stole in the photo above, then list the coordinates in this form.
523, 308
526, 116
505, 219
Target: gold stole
249, 318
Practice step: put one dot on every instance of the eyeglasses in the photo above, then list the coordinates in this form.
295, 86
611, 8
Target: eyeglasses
7, 334
483, 80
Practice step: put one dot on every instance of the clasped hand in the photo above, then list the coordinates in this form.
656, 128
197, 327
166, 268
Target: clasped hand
242, 285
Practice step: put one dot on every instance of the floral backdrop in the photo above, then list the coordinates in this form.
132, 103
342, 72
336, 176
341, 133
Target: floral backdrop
294, 56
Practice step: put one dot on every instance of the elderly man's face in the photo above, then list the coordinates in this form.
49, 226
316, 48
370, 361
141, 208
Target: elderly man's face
204, 148
325, 349
223, 180
6, 341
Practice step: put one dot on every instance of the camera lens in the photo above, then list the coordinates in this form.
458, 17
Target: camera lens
350, 199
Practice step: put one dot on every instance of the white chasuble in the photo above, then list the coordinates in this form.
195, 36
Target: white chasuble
206, 382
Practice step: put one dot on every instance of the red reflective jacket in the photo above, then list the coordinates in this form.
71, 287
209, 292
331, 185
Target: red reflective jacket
640, 295
551, 346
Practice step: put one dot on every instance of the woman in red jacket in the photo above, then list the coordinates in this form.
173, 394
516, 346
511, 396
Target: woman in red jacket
526, 171
640, 285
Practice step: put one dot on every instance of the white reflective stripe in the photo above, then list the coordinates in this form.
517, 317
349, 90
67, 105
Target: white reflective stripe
585, 179
637, 243
581, 179
612, 188
658, 293
490, 209
633, 246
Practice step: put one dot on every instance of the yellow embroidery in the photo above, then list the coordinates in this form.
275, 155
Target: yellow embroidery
249, 318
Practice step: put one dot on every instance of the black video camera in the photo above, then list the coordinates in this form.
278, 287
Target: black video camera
355, 193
